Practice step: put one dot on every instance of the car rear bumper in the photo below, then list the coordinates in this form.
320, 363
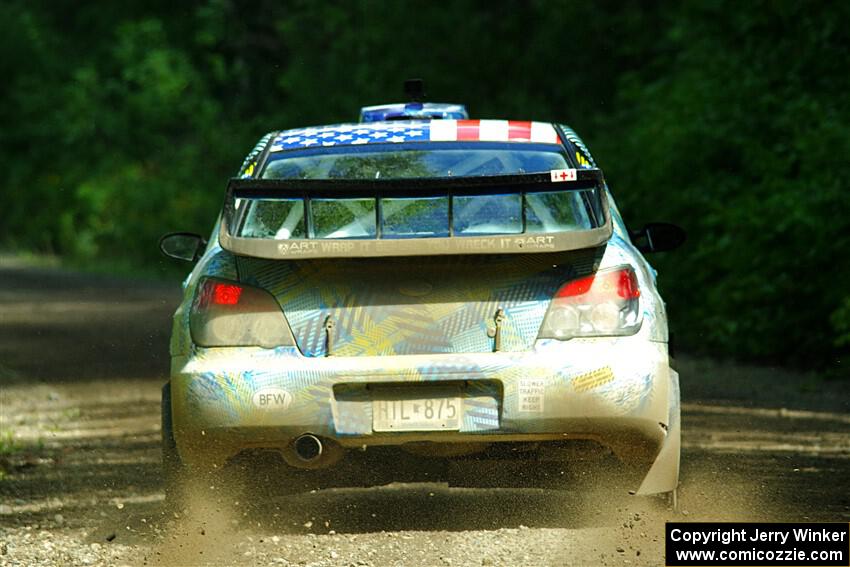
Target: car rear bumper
619, 392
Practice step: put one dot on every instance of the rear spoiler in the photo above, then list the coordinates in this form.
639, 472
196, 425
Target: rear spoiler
556, 180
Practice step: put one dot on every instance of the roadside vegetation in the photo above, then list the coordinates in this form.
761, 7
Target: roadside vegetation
16, 454
728, 118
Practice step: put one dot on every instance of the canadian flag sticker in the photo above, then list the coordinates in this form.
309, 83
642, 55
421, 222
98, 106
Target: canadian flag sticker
559, 175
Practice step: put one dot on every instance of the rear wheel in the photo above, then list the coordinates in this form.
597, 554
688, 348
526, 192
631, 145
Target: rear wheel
188, 487
173, 469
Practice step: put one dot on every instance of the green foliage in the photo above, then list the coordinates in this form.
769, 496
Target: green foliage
841, 323
8, 444
729, 118
742, 140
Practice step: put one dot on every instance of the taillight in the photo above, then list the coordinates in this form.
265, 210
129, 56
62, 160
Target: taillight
226, 294
230, 314
603, 304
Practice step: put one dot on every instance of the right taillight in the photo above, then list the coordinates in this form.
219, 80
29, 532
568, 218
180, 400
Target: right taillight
227, 313
603, 304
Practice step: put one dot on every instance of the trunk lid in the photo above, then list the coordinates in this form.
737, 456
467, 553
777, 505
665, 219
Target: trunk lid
416, 305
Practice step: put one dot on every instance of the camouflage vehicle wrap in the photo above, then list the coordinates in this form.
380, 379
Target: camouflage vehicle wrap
420, 322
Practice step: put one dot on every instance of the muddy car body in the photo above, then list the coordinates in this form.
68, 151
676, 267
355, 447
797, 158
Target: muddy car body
435, 289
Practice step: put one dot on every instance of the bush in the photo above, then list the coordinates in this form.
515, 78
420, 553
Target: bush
729, 118
742, 141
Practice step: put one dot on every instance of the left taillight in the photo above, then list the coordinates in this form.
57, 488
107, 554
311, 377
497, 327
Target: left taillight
226, 313
602, 304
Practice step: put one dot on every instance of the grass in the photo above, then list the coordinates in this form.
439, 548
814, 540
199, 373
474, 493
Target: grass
8, 444
12, 451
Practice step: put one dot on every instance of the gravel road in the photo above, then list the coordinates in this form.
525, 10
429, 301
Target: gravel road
82, 359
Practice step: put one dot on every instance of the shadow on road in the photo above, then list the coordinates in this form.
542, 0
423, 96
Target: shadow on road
82, 360
58, 326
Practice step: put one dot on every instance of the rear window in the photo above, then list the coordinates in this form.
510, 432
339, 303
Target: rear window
419, 217
451, 159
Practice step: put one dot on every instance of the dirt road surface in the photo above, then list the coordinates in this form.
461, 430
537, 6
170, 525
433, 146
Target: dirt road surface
82, 360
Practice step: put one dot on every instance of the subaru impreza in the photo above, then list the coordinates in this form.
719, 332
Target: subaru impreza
410, 296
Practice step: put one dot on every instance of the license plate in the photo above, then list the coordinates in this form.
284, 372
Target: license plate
437, 412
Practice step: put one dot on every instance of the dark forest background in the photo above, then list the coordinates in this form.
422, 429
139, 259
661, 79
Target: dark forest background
120, 121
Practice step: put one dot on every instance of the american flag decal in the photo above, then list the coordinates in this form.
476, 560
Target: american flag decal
417, 131
492, 131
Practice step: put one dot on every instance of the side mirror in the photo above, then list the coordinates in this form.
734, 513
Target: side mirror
186, 246
659, 237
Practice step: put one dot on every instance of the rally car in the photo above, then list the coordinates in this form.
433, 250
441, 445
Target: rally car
410, 296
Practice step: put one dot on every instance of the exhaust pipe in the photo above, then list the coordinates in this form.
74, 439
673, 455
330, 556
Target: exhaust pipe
308, 448
308, 451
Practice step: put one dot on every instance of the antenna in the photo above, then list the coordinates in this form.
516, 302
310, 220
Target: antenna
414, 89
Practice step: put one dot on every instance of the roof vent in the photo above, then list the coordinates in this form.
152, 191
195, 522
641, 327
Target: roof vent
414, 90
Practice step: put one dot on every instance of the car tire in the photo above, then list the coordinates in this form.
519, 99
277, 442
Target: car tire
189, 487
173, 469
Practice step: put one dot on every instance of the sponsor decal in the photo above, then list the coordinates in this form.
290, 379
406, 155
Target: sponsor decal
593, 379
272, 399
561, 175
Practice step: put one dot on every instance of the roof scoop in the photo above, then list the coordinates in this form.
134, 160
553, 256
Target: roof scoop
414, 90
413, 111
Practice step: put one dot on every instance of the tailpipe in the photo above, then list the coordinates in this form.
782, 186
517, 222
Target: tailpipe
309, 451
308, 448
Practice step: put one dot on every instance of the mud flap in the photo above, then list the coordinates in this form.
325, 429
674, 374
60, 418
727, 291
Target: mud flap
663, 475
